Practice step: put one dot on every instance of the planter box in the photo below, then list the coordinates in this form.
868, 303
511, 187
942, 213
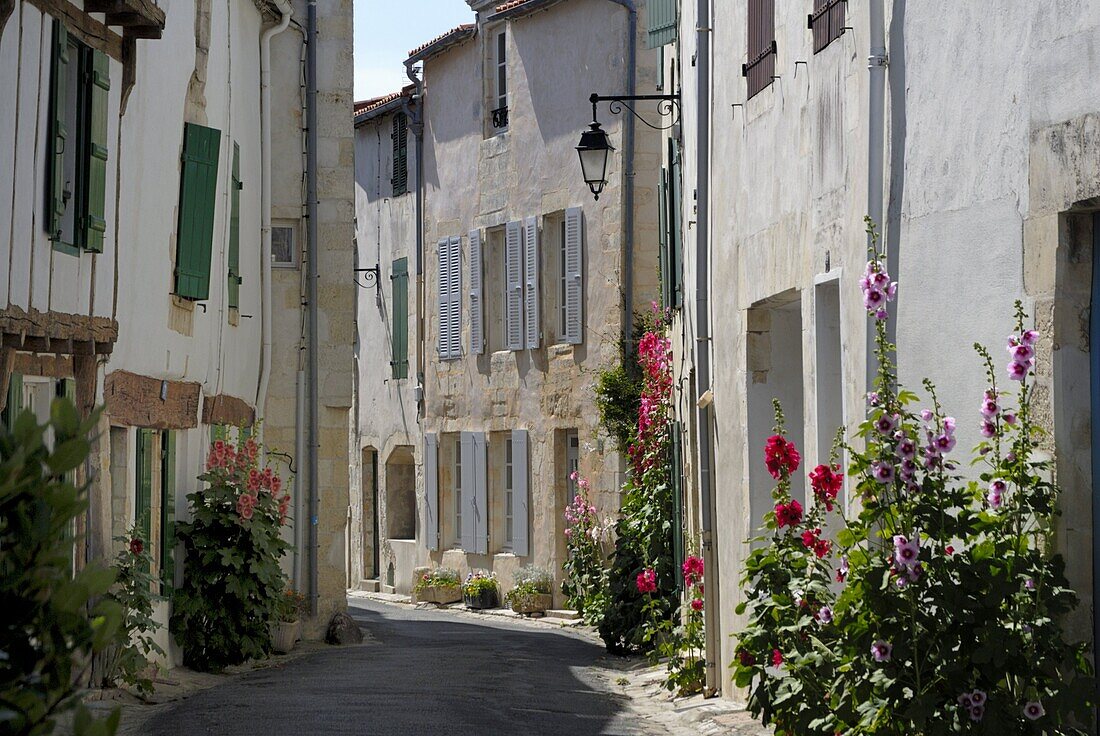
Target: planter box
484, 599
284, 634
440, 594
537, 603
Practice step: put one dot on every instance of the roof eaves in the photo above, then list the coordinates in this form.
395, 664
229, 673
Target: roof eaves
440, 44
519, 8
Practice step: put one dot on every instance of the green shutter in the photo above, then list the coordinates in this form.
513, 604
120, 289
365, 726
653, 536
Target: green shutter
14, 404
59, 74
399, 339
663, 239
661, 17
675, 256
235, 231
400, 137
198, 189
167, 509
95, 218
677, 472
143, 498
66, 389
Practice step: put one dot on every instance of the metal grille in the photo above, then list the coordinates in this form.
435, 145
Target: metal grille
827, 22
760, 69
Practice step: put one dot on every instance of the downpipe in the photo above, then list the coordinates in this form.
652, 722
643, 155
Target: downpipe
312, 294
877, 62
416, 115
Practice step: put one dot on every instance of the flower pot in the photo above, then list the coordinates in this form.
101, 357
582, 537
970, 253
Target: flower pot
283, 635
482, 599
441, 594
535, 603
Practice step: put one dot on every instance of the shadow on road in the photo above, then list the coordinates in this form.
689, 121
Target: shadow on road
422, 673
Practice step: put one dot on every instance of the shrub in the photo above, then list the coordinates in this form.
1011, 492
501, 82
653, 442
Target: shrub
618, 393
479, 582
134, 592
439, 577
233, 582
53, 620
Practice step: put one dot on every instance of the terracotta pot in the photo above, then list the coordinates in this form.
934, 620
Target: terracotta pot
284, 634
536, 603
483, 599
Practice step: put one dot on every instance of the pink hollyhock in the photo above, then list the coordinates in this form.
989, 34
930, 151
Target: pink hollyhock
781, 455
826, 482
788, 514
647, 581
777, 658
697, 604
882, 650
1033, 710
692, 569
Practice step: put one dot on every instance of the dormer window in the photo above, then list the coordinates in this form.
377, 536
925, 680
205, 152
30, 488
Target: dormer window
500, 80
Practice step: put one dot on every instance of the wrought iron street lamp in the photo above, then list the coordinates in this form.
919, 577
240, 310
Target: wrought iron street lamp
595, 146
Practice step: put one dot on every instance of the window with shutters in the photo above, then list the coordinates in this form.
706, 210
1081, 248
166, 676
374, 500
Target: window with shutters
498, 82
669, 203
399, 312
234, 255
759, 70
76, 178
449, 297
827, 22
513, 286
509, 498
400, 136
198, 194
661, 17
494, 290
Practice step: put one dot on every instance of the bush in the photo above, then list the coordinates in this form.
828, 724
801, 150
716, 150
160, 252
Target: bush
134, 592
233, 582
618, 393
53, 621
439, 577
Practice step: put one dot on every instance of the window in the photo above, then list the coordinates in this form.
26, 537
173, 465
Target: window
572, 462
400, 136
827, 22
509, 497
760, 68
500, 80
234, 255
458, 492
77, 176
198, 190
283, 254
399, 339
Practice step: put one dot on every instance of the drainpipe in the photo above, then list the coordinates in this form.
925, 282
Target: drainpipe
628, 176
265, 201
312, 291
702, 346
876, 129
416, 116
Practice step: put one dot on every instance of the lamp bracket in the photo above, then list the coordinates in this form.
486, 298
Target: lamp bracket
370, 275
665, 106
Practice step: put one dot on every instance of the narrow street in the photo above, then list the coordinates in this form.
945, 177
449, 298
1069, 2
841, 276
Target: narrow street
418, 672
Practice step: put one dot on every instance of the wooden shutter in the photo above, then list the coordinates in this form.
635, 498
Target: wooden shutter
827, 22
663, 238
234, 268
59, 136
167, 509
467, 534
675, 231
95, 215
760, 68
531, 283
661, 22
521, 514
400, 136
574, 282
454, 273
477, 302
443, 295
481, 495
399, 338
143, 497
513, 277
198, 189
431, 491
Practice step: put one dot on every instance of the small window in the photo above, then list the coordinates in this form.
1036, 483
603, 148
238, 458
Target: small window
572, 462
400, 136
283, 254
827, 22
500, 81
759, 70
458, 492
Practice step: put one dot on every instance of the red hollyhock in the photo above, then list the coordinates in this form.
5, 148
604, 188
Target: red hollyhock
777, 658
781, 455
136, 546
746, 658
826, 481
788, 514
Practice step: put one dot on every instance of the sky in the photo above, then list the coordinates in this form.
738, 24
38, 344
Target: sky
385, 32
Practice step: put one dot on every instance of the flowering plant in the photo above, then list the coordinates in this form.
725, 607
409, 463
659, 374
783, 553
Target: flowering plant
586, 536
478, 582
438, 577
683, 644
234, 583
133, 590
949, 616
292, 605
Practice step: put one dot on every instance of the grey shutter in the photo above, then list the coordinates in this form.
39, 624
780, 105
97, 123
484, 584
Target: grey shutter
477, 309
574, 282
531, 282
521, 514
469, 474
431, 491
443, 296
454, 335
481, 496
513, 277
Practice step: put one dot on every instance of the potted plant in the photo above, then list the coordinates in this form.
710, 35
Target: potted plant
288, 624
481, 590
441, 585
531, 592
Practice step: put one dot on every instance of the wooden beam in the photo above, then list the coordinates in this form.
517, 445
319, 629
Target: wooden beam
143, 401
228, 410
148, 32
83, 26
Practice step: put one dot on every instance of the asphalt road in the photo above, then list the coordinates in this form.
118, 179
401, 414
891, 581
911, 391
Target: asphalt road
420, 673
